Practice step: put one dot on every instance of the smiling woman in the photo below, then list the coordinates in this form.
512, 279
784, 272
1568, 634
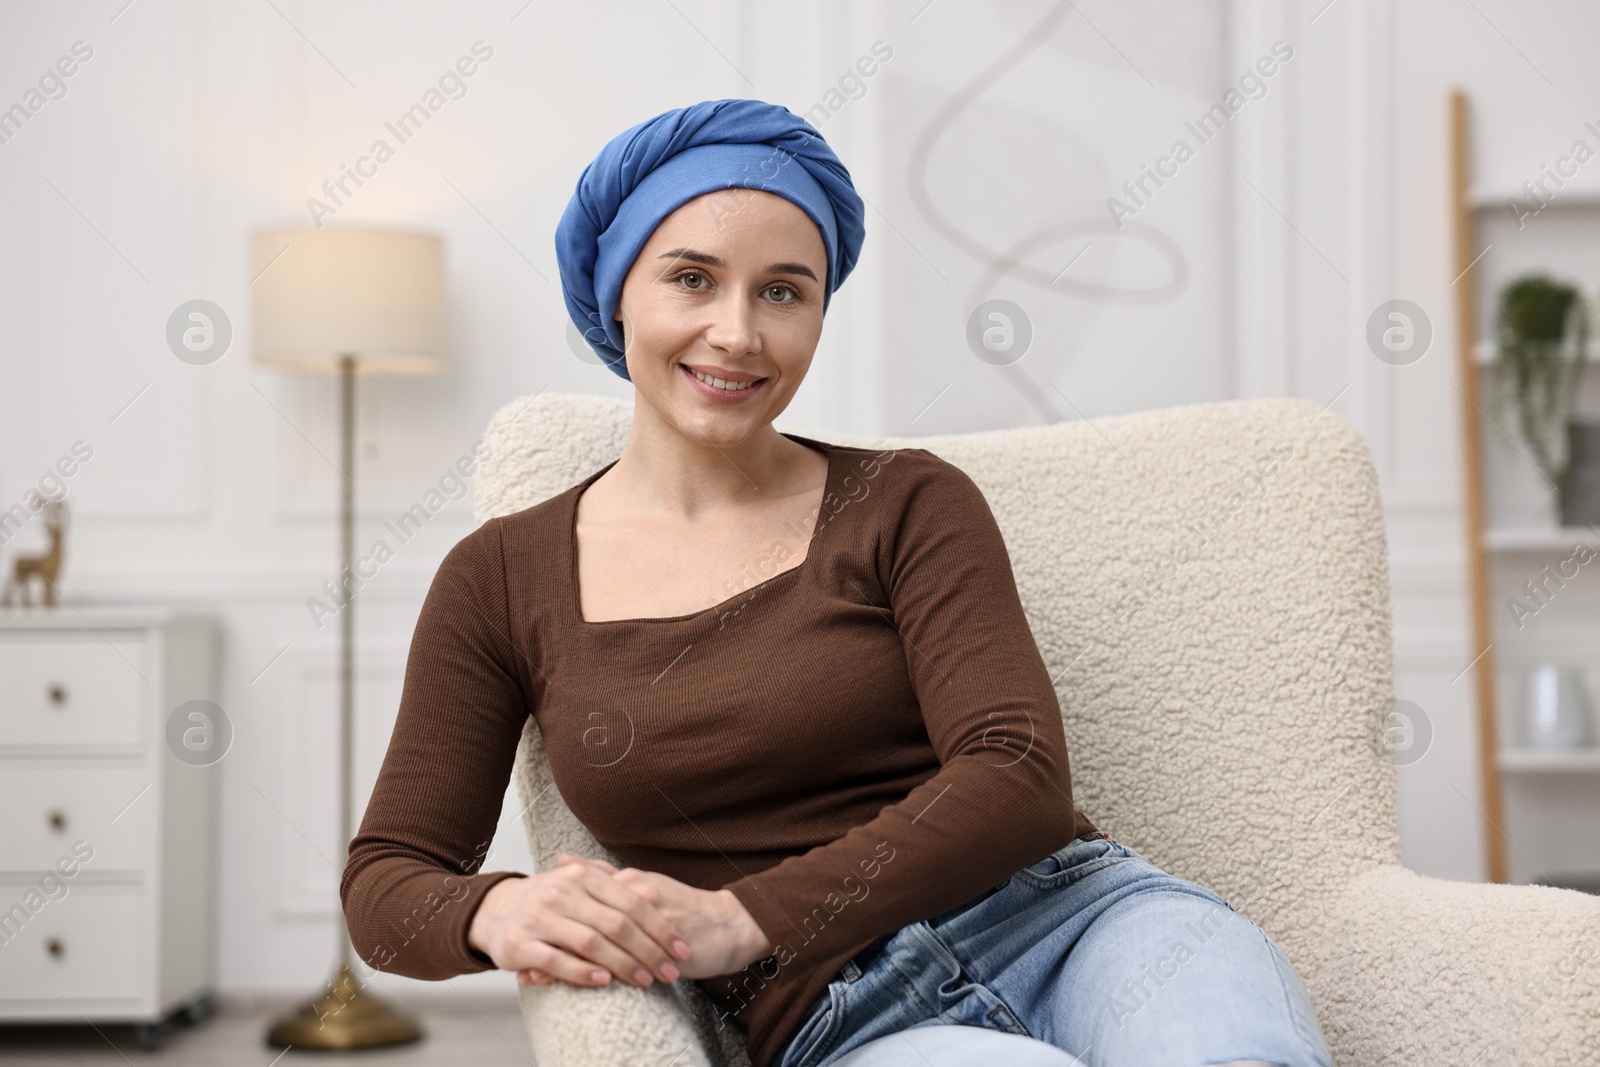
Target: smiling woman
705, 316
861, 753
699, 253
741, 148
717, 340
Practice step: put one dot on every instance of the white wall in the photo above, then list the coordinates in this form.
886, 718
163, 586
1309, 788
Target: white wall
194, 123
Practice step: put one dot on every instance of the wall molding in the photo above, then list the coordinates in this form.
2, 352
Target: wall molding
1263, 261
305, 888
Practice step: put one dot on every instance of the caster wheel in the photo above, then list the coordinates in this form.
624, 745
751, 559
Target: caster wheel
200, 1009
148, 1035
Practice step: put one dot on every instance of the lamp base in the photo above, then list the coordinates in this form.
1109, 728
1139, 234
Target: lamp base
345, 1017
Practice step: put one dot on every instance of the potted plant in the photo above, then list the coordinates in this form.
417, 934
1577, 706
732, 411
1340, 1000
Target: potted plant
1542, 343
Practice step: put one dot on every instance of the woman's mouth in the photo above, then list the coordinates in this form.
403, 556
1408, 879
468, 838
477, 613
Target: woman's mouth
721, 389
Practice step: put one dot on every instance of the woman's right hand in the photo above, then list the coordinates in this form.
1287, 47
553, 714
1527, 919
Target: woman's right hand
577, 924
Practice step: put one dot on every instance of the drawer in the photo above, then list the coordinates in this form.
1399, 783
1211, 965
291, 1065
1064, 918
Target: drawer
74, 689
87, 946
48, 806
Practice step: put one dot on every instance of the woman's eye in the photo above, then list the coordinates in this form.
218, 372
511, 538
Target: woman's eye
683, 278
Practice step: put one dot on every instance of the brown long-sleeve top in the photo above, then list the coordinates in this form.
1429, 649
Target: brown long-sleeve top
850, 745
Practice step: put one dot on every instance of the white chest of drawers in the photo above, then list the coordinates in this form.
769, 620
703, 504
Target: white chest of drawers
106, 835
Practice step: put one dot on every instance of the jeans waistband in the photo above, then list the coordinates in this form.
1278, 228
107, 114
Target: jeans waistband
858, 963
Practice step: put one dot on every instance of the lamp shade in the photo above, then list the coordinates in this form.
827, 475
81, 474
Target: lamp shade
377, 294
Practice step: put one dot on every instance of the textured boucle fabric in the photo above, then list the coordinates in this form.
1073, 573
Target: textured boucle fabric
1208, 585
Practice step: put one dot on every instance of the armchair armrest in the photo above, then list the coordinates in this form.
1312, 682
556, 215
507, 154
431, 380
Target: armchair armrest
1417, 970
615, 1025
619, 1025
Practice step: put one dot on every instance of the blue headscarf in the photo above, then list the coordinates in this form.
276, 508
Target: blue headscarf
647, 172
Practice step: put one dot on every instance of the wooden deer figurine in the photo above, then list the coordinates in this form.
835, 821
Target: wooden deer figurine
25, 568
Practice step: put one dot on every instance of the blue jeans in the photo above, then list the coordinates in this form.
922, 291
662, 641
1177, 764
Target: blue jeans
1093, 950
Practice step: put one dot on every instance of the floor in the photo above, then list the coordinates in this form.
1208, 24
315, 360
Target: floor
484, 1034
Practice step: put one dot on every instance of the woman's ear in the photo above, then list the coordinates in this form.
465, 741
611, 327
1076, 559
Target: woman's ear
627, 339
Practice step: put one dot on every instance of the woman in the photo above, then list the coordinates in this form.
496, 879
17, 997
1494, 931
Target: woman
789, 683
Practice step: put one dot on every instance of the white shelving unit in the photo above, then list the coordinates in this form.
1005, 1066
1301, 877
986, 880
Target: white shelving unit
1540, 807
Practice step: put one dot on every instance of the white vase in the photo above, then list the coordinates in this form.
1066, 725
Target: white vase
1558, 707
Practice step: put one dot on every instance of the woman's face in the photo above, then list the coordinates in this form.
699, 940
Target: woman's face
730, 285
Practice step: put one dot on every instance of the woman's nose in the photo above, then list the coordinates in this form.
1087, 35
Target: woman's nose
733, 328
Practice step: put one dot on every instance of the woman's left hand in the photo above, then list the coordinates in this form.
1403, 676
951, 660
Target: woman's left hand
721, 934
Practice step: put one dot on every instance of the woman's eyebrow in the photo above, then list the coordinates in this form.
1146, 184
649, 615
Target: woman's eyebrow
716, 261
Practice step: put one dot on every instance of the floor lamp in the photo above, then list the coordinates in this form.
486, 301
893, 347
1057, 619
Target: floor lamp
347, 302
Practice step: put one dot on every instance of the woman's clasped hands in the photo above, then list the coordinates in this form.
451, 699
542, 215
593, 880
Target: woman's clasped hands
585, 920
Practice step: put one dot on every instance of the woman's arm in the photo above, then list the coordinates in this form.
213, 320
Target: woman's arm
1002, 797
412, 884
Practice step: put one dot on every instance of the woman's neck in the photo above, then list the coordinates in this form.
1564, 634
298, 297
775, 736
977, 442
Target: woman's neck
665, 472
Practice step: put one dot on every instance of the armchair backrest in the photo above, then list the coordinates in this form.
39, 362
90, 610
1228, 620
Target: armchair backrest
1208, 585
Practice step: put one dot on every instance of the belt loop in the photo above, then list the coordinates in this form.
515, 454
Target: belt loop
852, 970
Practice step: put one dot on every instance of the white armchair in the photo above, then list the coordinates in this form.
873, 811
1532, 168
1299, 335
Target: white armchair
1208, 585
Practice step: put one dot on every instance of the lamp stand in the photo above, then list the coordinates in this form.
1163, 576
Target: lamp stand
346, 1016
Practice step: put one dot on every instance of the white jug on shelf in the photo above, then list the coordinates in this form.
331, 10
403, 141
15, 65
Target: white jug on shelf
1558, 707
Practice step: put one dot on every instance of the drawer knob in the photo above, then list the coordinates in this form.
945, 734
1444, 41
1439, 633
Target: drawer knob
55, 947
58, 694
58, 820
